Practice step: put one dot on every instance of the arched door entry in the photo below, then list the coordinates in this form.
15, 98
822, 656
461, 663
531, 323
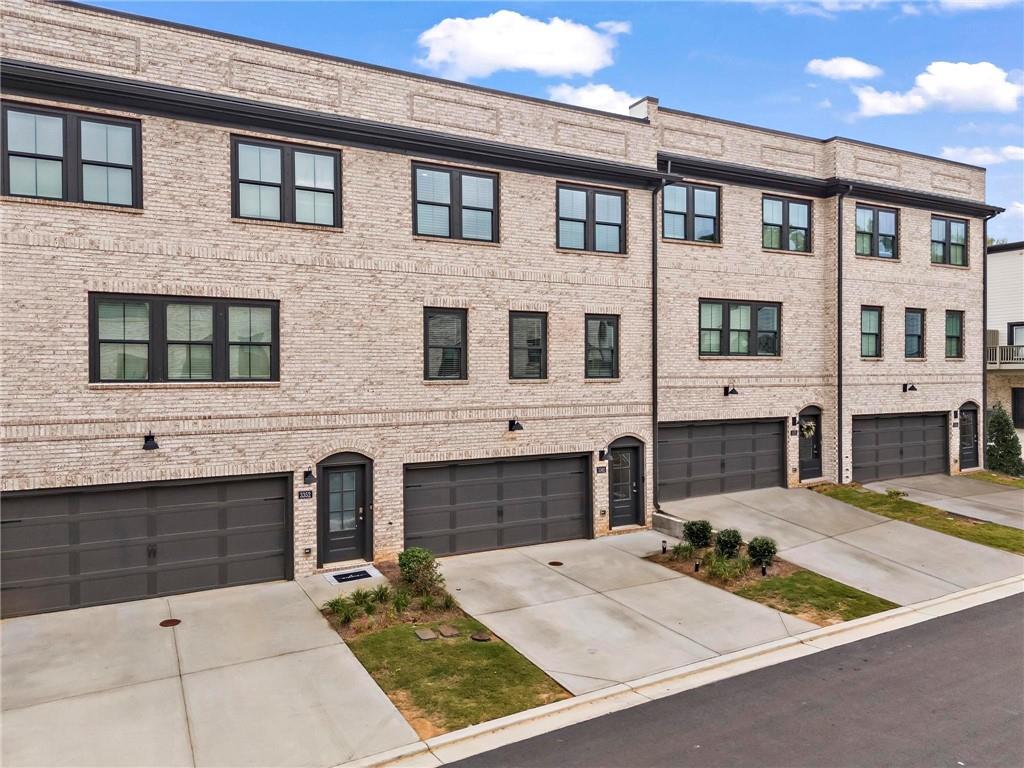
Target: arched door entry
810, 442
345, 507
626, 482
969, 455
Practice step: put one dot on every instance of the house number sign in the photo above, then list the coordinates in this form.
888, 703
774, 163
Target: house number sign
305, 494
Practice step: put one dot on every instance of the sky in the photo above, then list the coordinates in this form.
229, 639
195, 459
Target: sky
940, 77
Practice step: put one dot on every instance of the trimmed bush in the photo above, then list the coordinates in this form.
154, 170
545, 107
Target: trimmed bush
698, 533
728, 542
718, 567
427, 603
361, 597
382, 593
682, 551
1003, 451
344, 609
419, 571
448, 602
762, 550
400, 600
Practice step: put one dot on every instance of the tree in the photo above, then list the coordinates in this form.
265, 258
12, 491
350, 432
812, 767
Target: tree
1003, 451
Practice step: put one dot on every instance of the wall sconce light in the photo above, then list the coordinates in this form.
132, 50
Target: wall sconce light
149, 443
728, 390
793, 422
602, 455
909, 388
308, 477
514, 425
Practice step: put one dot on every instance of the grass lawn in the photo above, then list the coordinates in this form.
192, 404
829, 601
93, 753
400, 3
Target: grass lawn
448, 683
997, 477
814, 597
898, 508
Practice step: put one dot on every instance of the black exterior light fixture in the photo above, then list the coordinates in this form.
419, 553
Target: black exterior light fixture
149, 442
602, 455
308, 477
514, 425
909, 388
729, 390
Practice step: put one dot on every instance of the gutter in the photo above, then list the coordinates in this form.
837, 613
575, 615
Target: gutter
840, 198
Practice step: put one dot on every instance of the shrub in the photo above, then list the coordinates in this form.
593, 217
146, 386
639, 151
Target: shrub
334, 603
697, 532
682, 551
419, 571
382, 593
895, 493
718, 567
427, 602
400, 600
448, 602
762, 550
728, 542
360, 597
344, 609
369, 608
1003, 451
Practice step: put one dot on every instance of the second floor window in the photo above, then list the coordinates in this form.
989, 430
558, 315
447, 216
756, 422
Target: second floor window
913, 330
954, 333
876, 232
455, 203
602, 347
690, 213
591, 219
71, 156
785, 224
870, 331
527, 345
444, 344
283, 182
949, 241
739, 328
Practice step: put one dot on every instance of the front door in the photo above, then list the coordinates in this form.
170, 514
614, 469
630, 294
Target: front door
810, 446
342, 513
624, 486
1017, 407
968, 438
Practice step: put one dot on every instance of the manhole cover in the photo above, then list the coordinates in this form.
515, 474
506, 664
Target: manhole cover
481, 637
555, 562
170, 622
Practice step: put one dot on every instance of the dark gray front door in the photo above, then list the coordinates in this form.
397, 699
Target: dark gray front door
968, 438
810, 446
473, 506
899, 445
624, 486
107, 544
1017, 407
343, 514
704, 458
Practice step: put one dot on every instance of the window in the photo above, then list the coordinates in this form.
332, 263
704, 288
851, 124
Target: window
739, 328
870, 331
444, 341
602, 347
591, 219
282, 182
949, 241
690, 213
1015, 334
164, 338
454, 203
876, 232
913, 332
954, 333
83, 158
528, 345
785, 224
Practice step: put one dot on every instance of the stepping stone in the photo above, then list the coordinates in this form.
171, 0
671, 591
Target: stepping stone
447, 630
426, 634
481, 637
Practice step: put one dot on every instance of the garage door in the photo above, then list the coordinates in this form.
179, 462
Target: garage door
473, 506
105, 545
704, 457
899, 446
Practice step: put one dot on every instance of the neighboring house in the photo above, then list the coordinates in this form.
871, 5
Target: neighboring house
1004, 337
266, 311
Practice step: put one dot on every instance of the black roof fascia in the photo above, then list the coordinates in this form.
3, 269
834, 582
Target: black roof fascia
1004, 247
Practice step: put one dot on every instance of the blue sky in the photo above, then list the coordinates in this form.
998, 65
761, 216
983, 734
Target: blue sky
942, 77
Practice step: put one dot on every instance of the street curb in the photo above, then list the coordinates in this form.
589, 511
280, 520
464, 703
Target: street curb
492, 734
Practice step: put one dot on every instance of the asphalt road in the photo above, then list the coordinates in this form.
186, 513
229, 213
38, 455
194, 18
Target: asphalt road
946, 692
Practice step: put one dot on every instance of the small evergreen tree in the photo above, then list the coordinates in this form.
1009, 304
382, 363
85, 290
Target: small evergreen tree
1003, 451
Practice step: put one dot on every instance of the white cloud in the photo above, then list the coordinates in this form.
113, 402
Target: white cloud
984, 155
465, 48
843, 68
909, 9
594, 96
1008, 225
955, 87
974, 5
825, 104
829, 8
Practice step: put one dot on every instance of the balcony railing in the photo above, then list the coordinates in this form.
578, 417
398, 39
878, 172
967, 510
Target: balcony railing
1011, 356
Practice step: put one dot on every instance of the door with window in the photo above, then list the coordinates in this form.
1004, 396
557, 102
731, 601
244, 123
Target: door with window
625, 485
344, 508
968, 437
810, 443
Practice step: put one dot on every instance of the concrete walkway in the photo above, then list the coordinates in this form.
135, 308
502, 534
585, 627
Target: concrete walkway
962, 495
901, 562
594, 613
252, 676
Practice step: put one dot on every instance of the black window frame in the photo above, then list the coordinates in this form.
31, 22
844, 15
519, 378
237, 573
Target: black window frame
724, 333
959, 337
455, 206
590, 222
689, 215
921, 336
1010, 328
880, 334
287, 184
543, 317
158, 342
784, 227
72, 162
874, 252
947, 241
616, 322
463, 316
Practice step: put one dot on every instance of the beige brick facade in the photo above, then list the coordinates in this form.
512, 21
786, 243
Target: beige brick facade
351, 298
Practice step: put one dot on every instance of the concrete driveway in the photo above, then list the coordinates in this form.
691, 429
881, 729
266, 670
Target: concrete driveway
963, 495
594, 613
251, 676
901, 562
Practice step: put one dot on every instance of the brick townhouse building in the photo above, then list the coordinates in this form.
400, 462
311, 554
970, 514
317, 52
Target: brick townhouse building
266, 311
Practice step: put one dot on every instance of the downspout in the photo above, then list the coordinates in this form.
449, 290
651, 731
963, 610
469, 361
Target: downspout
983, 420
839, 331
655, 192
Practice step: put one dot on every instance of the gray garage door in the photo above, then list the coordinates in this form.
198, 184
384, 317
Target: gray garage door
899, 446
473, 506
705, 457
109, 544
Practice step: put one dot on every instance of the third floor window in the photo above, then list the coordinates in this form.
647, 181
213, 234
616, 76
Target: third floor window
283, 182
690, 213
591, 219
786, 224
949, 241
455, 203
876, 232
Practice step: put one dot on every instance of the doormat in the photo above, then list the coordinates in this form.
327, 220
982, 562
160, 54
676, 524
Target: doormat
353, 574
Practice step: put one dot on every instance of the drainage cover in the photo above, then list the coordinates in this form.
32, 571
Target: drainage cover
555, 562
341, 578
170, 622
